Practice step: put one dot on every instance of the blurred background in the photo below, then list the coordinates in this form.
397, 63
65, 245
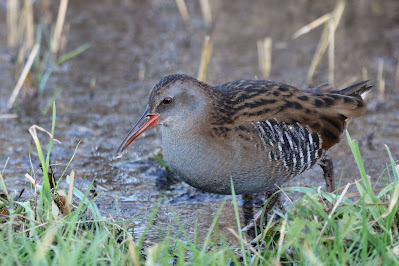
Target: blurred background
100, 61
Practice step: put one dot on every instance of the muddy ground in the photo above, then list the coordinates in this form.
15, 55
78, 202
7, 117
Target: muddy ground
136, 43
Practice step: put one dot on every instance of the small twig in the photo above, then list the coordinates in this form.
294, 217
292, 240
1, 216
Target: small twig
19, 195
285, 194
23, 76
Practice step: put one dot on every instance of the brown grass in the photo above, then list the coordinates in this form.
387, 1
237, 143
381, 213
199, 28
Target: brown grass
205, 58
325, 39
181, 5
57, 36
381, 80
265, 56
23, 76
206, 12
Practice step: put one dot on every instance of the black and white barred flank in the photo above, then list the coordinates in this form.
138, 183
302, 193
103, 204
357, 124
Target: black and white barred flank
293, 145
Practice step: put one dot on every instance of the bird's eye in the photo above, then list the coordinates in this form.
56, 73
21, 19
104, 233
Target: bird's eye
167, 100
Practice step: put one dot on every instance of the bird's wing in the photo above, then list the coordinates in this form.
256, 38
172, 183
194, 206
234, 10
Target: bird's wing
326, 114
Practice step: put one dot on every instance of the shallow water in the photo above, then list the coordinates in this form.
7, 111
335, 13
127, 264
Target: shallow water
136, 43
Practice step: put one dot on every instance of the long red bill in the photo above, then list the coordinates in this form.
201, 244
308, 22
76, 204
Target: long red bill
146, 121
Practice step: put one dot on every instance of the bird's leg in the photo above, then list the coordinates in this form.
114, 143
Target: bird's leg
328, 169
247, 207
250, 228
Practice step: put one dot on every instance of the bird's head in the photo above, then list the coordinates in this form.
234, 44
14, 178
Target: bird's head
175, 101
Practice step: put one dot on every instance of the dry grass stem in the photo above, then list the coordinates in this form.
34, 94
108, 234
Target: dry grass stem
325, 39
206, 12
349, 82
265, 56
33, 132
332, 211
181, 5
311, 256
261, 236
3, 184
151, 253
381, 80
33, 182
205, 58
331, 48
43, 246
70, 190
8, 116
132, 251
21, 55
282, 236
246, 244
285, 194
56, 41
312, 25
29, 24
364, 74
12, 22
397, 72
393, 202
23, 76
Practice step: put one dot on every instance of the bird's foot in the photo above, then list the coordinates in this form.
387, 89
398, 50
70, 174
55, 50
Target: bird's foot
328, 169
247, 207
253, 225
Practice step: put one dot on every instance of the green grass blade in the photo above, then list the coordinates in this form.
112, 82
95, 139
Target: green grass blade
358, 158
237, 214
214, 222
162, 162
70, 161
72, 53
44, 79
50, 145
51, 101
395, 168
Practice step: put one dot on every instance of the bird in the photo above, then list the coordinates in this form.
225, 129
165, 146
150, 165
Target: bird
254, 134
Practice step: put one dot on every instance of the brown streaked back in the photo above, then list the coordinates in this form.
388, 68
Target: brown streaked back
324, 113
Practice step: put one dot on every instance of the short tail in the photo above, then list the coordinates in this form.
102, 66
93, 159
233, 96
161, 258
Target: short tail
360, 88
350, 103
